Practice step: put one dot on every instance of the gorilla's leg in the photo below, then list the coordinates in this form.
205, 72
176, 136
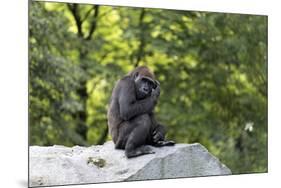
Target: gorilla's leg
124, 130
136, 142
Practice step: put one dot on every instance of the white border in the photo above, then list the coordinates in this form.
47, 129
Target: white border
249, 7
13, 91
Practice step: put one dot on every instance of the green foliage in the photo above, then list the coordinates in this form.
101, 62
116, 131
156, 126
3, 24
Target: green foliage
212, 68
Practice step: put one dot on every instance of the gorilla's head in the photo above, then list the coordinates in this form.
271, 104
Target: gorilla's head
144, 86
144, 82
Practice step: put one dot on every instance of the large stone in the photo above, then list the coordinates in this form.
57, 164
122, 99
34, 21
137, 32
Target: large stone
60, 165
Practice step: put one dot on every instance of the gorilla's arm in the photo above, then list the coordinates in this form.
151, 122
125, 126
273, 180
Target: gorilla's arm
129, 106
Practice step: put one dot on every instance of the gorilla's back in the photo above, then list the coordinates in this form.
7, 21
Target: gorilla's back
113, 113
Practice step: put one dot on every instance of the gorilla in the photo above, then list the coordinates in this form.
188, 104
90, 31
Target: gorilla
131, 120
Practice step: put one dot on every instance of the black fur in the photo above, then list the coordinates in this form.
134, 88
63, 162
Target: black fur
130, 115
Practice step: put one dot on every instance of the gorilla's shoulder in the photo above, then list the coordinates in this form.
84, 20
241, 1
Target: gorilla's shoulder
126, 80
124, 83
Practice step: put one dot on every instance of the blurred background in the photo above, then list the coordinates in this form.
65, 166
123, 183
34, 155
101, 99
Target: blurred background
212, 68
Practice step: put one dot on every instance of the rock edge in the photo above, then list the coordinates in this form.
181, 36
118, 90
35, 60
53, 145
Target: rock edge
60, 165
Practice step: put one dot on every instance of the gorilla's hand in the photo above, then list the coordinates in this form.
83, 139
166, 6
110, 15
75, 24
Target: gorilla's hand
154, 96
156, 92
157, 136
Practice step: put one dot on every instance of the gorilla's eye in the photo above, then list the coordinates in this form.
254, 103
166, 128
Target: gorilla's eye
147, 81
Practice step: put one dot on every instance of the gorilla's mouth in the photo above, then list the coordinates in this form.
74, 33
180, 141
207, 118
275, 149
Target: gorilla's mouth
143, 94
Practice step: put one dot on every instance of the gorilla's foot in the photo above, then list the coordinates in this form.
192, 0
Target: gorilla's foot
142, 150
164, 143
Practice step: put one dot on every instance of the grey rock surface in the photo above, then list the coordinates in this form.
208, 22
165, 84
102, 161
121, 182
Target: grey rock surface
60, 165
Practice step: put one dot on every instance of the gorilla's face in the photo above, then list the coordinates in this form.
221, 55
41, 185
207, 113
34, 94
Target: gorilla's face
144, 86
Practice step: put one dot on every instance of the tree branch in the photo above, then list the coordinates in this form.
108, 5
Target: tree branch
94, 22
75, 13
87, 14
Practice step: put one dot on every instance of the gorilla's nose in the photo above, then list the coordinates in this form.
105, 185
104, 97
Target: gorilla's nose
145, 89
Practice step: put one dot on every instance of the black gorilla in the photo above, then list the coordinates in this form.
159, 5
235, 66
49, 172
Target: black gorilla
130, 115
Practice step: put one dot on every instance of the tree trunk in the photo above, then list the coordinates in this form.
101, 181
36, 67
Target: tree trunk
140, 52
82, 127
